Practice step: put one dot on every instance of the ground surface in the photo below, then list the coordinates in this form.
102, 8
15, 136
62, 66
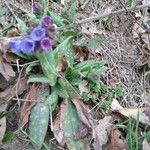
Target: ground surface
127, 55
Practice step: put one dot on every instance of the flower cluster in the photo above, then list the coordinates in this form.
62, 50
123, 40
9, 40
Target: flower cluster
40, 37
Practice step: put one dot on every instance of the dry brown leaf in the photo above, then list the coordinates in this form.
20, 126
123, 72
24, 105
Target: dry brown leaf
13, 32
62, 65
115, 105
144, 114
101, 133
4, 45
17, 88
84, 113
27, 105
6, 69
2, 128
146, 145
115, 141
80, 54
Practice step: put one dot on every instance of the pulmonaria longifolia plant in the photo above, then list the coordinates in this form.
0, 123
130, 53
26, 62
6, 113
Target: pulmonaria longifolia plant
39, 38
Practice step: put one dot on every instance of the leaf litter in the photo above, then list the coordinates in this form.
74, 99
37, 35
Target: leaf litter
83, 118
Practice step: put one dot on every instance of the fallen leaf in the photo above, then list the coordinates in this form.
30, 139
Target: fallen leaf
62, 65
101, 132
68, 128
13, 32
6, 69
27, 106
80, 54
17, 88
84, 113
2, 128
4, 45
146, 145
115, 141
143, 113
115, 105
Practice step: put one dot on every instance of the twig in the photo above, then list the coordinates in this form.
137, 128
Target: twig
98, 17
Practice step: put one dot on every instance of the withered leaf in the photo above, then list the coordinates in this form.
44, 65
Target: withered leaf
115, 141
146, 145
101, 133
143, 114
6, 69
27, 105
84, 113
16, 88
62, 65
2, 128
12, 33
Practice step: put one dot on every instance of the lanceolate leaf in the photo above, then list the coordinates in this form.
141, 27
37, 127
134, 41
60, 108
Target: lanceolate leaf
72, 121
39, 119
69, 88
65, 48
22, 26
48, 66
39, 78
57, 20
52, 100
61, 91
89, 66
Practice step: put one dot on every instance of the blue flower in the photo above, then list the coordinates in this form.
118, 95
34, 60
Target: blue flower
46, 44
46, 21
27, 45
14, 45
38, 33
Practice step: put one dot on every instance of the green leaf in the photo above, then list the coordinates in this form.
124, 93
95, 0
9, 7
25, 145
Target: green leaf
69, 12
71, 74
71, 122
68, 51
39, 78
77, 145
45, 4
22, 26
53, 100
31, 66
69, 88
61, 91
39, 119
8, 137
66, 48
89, 66
56, 19
47, 62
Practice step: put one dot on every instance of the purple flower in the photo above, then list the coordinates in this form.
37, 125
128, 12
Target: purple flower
36, 6
46, 21
46, 44
38, 33
15, 46
27, 45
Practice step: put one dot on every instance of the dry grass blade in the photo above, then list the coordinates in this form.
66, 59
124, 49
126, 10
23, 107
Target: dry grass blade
27, 105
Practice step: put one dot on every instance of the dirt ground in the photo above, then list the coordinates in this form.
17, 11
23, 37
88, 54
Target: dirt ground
127, 55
